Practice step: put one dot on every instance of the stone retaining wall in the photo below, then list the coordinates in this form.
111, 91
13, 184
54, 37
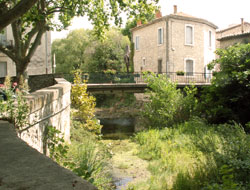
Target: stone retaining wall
48, 107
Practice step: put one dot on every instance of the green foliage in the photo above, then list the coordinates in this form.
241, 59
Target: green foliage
88, 157
47, 15
70, 51
15, 108
55, 143
168, 105
85, 104
82, 50
228, 96
196, 156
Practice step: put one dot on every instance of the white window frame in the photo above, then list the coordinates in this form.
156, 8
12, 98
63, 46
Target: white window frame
137, 42
192, 26
160, 42
185, 68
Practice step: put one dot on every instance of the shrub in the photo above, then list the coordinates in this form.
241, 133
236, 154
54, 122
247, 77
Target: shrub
85, 104
228, 96
167, 105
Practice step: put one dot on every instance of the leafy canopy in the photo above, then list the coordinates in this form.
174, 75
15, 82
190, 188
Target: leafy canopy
228, 96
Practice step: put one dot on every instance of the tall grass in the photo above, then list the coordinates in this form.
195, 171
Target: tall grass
88, 158
196, 156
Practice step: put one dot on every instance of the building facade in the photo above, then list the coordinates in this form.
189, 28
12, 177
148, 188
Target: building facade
40, 62
173, 43
232, 35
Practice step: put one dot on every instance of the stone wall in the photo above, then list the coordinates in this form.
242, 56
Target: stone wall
48, 107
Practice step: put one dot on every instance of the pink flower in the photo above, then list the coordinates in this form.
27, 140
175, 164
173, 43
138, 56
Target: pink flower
14, 84
1, 85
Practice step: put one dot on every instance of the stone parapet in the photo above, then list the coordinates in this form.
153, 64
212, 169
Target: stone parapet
48, 107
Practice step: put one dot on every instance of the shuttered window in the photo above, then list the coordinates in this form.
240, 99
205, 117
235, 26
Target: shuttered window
137, 41
3, 69
189, 35
160, 36
189, 67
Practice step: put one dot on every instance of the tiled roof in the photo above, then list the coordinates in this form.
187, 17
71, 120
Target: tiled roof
179, 15
234, 26
234, 36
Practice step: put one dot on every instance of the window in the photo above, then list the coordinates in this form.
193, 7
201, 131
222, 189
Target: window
137, 38
189, 35
3, 69
159, 65
3, 37
160, 36
189, 65
210, 38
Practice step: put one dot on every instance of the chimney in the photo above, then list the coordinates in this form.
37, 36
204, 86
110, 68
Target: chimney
158, 14
242, 25
139, 23
175, 9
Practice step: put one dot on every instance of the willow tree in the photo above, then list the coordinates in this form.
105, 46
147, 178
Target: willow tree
29, 28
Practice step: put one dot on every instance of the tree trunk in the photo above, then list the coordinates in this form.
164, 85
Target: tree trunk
21, 72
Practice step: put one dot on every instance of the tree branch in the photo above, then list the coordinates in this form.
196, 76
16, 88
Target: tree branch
35, 44
16, 36
11, 15
8, 53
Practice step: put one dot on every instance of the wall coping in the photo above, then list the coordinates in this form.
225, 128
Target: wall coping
38, 99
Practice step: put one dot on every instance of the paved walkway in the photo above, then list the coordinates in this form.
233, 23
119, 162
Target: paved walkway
24, 168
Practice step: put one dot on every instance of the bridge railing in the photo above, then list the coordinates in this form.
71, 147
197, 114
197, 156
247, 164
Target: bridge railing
136, 77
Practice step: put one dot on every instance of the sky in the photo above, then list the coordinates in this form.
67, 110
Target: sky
220, 12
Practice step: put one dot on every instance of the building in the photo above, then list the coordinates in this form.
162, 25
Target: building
232, 35
40, 62
173, 43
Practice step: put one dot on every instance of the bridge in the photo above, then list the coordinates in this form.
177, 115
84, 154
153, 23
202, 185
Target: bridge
104, 83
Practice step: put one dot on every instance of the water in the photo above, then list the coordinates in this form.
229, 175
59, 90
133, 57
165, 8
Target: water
122, 182
117, 128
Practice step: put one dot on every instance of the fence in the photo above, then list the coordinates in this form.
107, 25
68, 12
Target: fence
136, 77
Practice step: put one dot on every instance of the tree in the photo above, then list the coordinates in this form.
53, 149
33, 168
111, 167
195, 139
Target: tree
81, 49
10, 12
107, 55
28, 29
70, 51
228, 96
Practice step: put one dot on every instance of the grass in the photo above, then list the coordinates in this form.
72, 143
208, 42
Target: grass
88, 157
194, 155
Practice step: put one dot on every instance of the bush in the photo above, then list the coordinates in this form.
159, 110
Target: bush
228, 96
168, 105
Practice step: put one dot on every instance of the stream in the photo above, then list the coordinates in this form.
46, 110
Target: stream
126, 166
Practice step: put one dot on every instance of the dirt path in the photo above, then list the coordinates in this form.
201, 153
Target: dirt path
127, 168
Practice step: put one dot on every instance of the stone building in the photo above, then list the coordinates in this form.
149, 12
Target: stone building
40, 62
176, 42
232, 35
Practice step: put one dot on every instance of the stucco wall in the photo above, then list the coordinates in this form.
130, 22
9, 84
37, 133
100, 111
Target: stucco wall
173, 52
52, 106
232, 41
233, 30
199, 52
149, 48
39, 61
